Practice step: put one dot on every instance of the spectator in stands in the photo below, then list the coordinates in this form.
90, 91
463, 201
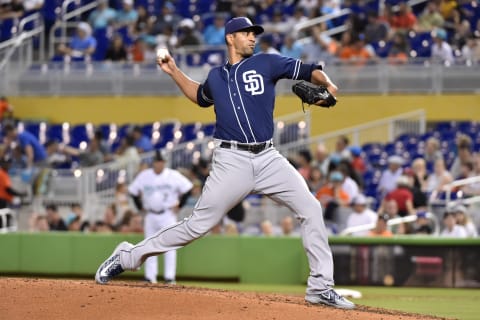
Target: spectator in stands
303, 163
296, 18
450, 227
214, 34
77, 210
55, 221
356, 53
316, 179
267, 229
291, 48
402, 195
471, 50
332, 195
18, 161
265, 44
464, 154
82, 45
322, 47
420, 200
6, 110
388, 180
390, 208
400, 49
33, 5
277, 24
7, 192
72, 222
439, 178
463, 219
342, 148
381, 228
473, 189
110, 216
403, 20
420, 174
352, 182
430, 18
376, 29
167, 18
322, 158
116, 50
287, 225
144, 23
38, 223
142, 142
55, 157
357, 161
441, 50
422, 225
122, 203
189, 36
101, 227
127, 155
12, 9
90, 156
102, 16
361, 215
432, 152
30, 145
126, 16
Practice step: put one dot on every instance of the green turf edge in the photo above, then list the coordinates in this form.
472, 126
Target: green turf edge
462, 304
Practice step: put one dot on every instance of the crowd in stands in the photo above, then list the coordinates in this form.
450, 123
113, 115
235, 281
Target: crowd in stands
335, 178
131, 30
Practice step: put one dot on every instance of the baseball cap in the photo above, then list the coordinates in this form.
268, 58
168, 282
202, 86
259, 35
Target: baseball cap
459, 208
242, 23
336, 176
158, 156
395, 160
360, 199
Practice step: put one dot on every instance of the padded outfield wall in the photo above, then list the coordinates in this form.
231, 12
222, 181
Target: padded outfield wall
350, 111
402, 261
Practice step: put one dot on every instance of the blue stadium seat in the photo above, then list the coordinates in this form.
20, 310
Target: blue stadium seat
166, 135
208, 129
189, 131
55, 132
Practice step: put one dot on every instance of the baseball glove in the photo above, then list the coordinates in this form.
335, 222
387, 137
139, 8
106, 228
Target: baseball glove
311, 94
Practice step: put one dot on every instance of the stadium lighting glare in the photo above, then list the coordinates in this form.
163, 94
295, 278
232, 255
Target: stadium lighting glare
100, 173
65, 126
83, 145
211, 145
196, 155
280, 124
425, 43
200, 135
77, 173
190, 146
169, 145
302, 125
177, 134
156, 135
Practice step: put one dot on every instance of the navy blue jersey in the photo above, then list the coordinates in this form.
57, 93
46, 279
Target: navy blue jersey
243, 95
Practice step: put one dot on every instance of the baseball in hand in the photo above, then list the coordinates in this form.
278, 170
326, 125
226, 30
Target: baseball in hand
162, 53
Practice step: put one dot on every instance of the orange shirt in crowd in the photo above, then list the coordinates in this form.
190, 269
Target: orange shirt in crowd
4, 107
385, 233
327, 191
4, 184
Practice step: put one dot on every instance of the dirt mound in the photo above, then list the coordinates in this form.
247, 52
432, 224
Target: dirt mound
28, 298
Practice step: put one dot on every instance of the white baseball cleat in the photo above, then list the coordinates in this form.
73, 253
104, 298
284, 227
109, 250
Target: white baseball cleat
331, 298
111, 267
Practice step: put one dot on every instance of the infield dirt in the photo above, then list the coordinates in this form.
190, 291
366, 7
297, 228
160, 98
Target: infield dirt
31, 298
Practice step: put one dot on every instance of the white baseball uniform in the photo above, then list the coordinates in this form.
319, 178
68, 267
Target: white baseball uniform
160, 193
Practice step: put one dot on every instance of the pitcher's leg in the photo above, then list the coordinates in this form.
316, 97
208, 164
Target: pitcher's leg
281, 181
230, 180
150, 227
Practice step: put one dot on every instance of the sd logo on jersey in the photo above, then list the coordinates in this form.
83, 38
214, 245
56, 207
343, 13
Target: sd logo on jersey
253, 82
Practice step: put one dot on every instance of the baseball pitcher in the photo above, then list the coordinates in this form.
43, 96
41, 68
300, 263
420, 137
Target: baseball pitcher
244, 160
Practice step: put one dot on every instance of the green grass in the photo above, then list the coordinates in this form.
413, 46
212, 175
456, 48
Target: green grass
461, 304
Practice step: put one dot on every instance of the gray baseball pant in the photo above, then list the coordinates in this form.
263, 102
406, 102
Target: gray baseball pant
235, 174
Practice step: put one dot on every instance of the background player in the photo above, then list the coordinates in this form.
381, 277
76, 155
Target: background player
244, 159
160, 191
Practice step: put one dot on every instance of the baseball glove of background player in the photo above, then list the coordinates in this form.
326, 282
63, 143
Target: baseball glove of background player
311, 94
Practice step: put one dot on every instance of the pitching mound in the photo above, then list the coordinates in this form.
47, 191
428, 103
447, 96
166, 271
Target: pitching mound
26, 298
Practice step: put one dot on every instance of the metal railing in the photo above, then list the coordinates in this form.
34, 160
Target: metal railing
375, 131
21, 37
393, 222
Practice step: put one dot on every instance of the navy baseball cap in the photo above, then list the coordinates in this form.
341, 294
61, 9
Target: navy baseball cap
242, 23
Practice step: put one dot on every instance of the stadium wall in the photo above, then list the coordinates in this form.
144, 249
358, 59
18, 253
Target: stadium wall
358, 261
351, 110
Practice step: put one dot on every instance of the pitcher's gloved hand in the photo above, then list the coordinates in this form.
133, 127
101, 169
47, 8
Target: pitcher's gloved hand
313, 94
